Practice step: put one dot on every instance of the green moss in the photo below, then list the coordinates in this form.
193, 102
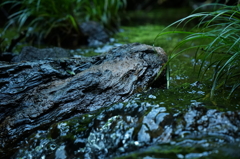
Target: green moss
142, 34
90, 53
146, 34
161, 151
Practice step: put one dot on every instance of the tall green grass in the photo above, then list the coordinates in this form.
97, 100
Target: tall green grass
216, 45
47, 16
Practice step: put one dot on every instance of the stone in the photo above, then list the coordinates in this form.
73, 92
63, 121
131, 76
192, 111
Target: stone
139, 128
34, 95
30, 53
95, 33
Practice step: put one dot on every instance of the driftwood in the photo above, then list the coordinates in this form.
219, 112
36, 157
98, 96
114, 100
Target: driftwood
36, 94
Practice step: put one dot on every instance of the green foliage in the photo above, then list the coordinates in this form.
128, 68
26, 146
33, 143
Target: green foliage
216, 45
46, 17
139, 34
104, 11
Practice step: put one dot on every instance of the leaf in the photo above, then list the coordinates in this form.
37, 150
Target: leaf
221, 29
70, 72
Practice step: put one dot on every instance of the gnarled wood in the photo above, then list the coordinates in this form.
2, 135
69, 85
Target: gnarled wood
37, 94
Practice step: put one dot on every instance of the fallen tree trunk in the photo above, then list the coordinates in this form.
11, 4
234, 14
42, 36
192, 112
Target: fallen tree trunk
34, 95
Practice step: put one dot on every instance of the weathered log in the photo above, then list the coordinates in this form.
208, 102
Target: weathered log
36, 94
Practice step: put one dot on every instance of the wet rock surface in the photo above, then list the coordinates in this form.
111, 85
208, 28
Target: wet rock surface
34, 95
95, 33
140, 129
30, 53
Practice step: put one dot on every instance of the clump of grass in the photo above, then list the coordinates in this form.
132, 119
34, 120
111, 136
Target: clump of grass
44, 16
57, 19
219, 48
